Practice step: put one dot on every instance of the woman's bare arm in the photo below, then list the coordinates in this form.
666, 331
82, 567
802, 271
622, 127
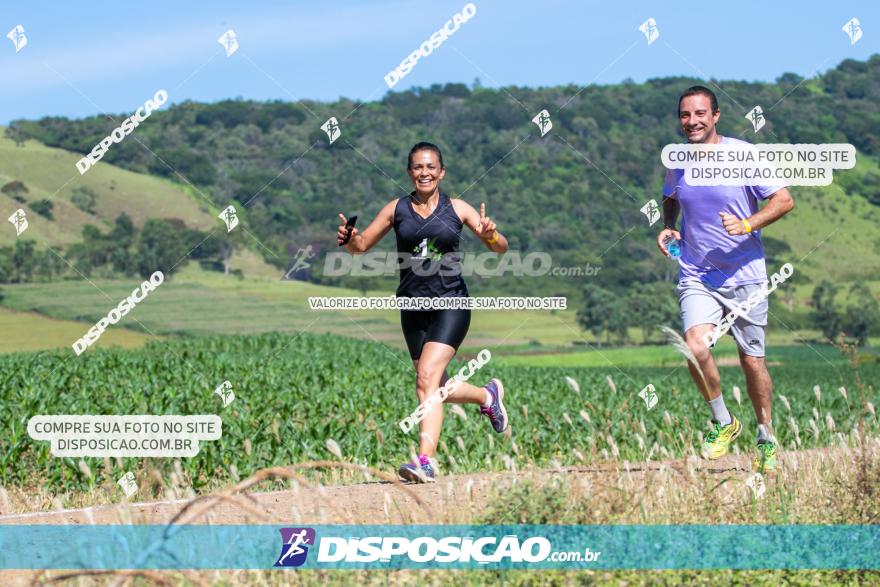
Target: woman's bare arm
362, 242
481, 225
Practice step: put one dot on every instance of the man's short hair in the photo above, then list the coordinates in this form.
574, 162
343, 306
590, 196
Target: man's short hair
699, 91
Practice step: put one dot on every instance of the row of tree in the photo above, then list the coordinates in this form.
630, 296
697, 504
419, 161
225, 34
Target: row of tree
163, 245
857, 320
646, 305
650, 305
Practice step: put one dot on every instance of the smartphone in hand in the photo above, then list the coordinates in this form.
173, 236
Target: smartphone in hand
349, 224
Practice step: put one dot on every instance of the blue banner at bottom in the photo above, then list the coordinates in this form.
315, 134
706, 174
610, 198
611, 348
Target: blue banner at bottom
439, 547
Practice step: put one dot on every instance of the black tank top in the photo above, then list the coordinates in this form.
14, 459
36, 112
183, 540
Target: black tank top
429, 261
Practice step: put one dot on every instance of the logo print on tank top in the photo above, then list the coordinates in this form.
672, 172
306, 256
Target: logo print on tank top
426, 246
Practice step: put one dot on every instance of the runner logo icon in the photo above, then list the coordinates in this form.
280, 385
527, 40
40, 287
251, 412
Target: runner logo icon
294, 546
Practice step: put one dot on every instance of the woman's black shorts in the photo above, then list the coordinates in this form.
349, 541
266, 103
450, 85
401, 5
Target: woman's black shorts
421, 326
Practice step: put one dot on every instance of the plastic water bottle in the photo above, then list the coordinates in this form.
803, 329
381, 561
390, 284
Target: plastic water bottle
672, 247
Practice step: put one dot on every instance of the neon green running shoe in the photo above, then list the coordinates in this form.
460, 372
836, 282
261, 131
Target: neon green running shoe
718, 441
766, 459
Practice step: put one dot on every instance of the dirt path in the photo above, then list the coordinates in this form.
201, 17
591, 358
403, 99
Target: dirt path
452, 499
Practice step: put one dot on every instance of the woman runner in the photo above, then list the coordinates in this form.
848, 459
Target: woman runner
428, 225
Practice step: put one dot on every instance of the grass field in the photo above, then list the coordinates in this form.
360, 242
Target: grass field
296, 392
32, 332
665, 356
197, 302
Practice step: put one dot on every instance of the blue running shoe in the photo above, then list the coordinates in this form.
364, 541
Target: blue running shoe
496, 412
423, 472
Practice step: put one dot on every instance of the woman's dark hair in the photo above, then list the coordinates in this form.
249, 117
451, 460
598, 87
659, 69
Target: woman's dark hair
699, 91
424, 146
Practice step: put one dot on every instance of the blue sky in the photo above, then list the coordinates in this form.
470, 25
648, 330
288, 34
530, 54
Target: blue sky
86, 58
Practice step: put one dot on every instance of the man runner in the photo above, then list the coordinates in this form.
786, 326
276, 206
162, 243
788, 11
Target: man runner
722, 263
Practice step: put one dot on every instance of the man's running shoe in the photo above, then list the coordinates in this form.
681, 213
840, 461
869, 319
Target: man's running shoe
766, 459
718, 441
496, 412
423, 472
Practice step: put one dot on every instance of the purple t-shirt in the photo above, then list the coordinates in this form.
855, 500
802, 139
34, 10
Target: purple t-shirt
707, 251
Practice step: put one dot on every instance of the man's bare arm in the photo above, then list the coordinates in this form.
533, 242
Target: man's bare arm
671, 208
670, 216
778, 205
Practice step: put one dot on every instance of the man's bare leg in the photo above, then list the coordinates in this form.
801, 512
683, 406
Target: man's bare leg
760, 389
711, 386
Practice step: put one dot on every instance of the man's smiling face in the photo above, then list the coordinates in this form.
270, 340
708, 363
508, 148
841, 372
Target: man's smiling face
697, 119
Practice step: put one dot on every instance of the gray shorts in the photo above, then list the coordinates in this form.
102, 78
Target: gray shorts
700, 304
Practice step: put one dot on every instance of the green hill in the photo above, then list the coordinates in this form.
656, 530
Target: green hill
50, 174
574, 193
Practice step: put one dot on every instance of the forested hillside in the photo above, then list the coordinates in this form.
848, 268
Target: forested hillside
574, 193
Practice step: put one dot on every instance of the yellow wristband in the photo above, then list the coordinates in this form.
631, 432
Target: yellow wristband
494, 239
747, 225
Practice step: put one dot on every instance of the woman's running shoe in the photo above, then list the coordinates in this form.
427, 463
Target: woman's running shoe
421, 472
495, 411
